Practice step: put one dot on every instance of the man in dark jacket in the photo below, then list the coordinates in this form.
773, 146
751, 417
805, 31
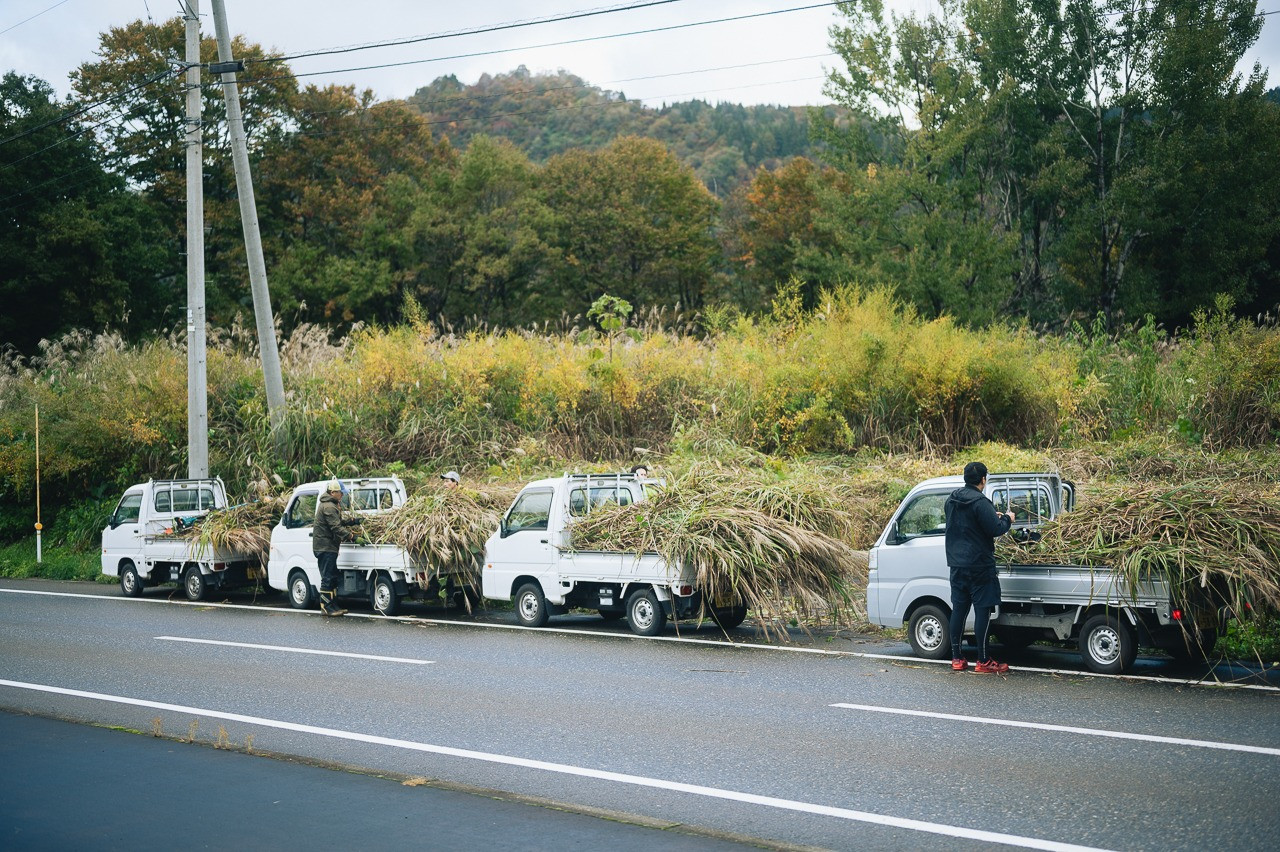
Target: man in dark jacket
973, 525
327, 534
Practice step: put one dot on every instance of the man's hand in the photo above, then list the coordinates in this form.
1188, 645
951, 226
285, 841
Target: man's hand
1010, 516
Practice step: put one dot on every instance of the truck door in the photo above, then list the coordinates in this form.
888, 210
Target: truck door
122, 538
291, 539
523, 546
912, 560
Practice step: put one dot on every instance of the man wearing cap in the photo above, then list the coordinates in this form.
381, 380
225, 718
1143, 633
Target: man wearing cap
328, 533
451, 479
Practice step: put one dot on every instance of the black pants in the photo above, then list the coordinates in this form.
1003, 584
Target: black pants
327, 562
979, 589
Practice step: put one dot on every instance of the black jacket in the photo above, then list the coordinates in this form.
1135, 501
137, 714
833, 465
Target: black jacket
972, 529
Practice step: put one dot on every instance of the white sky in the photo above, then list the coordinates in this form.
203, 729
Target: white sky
65, 34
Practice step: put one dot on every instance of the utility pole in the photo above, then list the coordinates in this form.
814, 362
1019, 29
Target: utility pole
197, 376
227, 67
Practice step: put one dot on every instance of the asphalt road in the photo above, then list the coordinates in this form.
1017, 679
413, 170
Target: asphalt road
811, 746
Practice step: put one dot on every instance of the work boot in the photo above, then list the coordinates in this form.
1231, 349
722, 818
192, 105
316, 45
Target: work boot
327, 606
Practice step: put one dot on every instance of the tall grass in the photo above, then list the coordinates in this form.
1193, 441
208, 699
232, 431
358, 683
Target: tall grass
861, 376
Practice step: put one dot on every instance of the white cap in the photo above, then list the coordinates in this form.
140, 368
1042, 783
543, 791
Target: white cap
453, 475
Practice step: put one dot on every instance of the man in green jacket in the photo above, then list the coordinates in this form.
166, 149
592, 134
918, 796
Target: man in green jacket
328, 532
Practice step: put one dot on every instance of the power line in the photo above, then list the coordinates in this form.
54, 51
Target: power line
492, 28
67, 116
563, 43
33, 17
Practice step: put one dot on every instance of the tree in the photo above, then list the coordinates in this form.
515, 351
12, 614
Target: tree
77, 249
629, 220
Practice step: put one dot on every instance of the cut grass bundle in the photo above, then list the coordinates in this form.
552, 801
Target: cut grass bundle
241, 529
445, 530
1200, 535
759, 542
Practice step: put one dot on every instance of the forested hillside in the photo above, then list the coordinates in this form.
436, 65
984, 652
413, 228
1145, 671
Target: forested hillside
1066, 166
548, 114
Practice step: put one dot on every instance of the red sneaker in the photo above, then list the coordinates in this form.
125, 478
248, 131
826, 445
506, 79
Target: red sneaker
991, 667
959, 664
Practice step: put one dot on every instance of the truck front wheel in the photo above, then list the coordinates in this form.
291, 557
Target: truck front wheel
531, 606
194, 584
130, 582
644, 613
301, 595
1107, 645
929, 632
383, 596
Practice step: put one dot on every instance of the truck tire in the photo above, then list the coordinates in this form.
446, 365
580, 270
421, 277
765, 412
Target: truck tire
383, 596
193, 583
729, 617
1107, 644
131, 584
1191, 647
644, 613
531, 606
929, 632
301, 594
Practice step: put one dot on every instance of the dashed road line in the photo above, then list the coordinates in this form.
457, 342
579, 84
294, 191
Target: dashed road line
1040, 726
297, 650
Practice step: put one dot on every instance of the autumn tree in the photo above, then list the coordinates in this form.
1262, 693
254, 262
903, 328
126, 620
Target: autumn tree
628, 220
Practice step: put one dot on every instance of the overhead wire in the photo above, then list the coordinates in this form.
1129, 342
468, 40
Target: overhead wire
33, 17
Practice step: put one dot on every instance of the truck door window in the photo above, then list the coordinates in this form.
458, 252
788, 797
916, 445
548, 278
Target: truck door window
599, 497
924, 516
302, 513
532, 511
128, 511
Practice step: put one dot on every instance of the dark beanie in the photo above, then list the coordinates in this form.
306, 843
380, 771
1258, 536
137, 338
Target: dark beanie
974, 472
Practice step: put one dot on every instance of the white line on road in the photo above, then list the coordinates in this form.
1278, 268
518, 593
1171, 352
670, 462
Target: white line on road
583, 772
748, 646
298, 650
1093, 732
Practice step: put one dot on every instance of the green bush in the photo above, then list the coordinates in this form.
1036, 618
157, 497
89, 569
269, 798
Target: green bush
57, 563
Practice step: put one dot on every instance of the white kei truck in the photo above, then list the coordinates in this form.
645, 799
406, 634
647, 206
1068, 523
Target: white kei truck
383, 574
530, 560
909, 583
142, 546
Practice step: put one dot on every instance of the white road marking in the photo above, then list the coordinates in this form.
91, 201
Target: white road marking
581, 771
748, 646
298, 650
1093, 732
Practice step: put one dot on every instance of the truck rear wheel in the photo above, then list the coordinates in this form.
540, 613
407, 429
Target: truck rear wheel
929, 632
1193, 646
729, 617
1107, 644
131, 584
301, 594
193, 583
383, 596
644, 613
531, 606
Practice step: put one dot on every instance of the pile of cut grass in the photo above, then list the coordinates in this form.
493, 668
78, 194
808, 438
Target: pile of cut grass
245, 528
1214, 535
746, 538
445, 530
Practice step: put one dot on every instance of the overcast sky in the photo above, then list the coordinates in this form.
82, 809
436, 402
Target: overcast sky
790, 49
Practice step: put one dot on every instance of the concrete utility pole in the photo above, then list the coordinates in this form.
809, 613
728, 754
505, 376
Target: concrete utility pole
249, 217
197, 377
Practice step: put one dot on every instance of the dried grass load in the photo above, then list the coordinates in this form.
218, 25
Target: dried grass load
242, 529
746, 538
1204, 534
443, 529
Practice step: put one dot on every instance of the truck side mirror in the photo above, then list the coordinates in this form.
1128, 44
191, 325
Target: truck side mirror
502, 528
